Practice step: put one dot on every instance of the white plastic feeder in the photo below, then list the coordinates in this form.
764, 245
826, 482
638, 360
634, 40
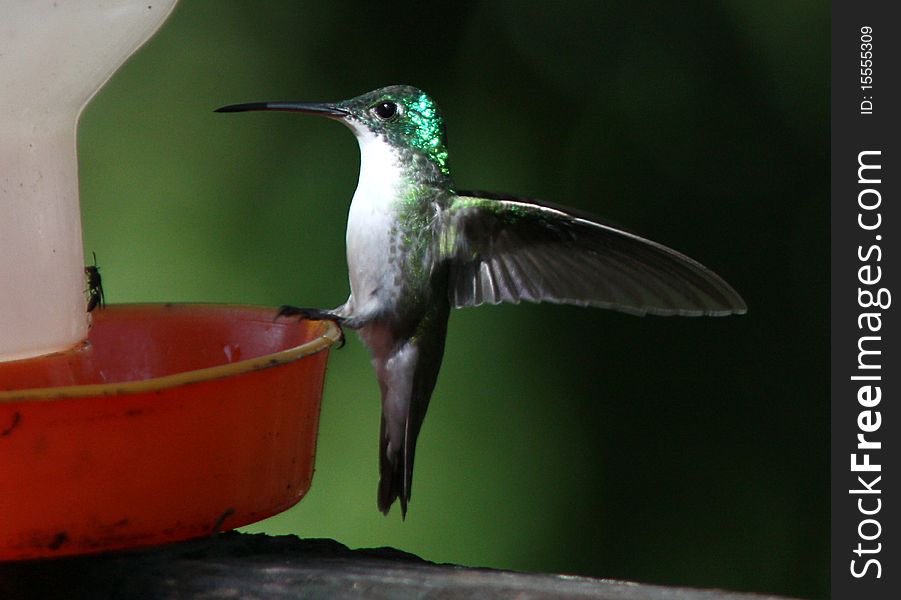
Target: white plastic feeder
54, 56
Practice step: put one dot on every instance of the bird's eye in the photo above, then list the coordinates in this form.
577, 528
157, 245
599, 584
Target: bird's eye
386, 110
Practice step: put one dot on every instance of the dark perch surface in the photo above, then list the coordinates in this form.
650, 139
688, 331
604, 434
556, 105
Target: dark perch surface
234, 565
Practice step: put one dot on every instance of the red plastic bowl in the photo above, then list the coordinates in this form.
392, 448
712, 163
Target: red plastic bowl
171, 422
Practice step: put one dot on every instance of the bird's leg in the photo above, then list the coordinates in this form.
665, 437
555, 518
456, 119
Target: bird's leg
314, 314
311, 314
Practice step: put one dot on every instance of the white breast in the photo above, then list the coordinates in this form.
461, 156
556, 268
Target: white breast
369, 226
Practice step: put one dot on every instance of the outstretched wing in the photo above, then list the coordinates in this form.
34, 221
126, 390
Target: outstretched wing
507, 249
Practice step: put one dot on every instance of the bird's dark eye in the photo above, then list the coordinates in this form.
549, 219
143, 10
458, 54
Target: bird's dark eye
385, 110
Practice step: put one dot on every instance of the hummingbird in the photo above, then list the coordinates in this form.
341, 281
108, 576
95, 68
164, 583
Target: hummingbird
418, 246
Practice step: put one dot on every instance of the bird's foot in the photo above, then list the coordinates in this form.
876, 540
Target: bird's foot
313, 314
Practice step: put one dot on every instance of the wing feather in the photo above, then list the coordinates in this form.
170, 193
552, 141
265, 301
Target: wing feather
506, 249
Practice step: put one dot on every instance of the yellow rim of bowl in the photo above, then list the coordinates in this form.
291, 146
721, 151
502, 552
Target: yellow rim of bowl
331, 335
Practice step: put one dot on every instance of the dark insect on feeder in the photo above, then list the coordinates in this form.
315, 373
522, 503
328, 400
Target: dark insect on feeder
95, 285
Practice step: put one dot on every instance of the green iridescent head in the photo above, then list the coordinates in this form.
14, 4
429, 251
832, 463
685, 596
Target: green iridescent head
405, 116
401, 114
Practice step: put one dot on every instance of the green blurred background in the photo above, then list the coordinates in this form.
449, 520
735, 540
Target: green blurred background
666, 450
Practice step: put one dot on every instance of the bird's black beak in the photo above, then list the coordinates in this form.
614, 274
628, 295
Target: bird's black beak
315, 108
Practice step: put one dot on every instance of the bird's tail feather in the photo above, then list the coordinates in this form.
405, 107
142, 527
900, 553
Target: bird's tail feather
391, 480
419, 358
396, 467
